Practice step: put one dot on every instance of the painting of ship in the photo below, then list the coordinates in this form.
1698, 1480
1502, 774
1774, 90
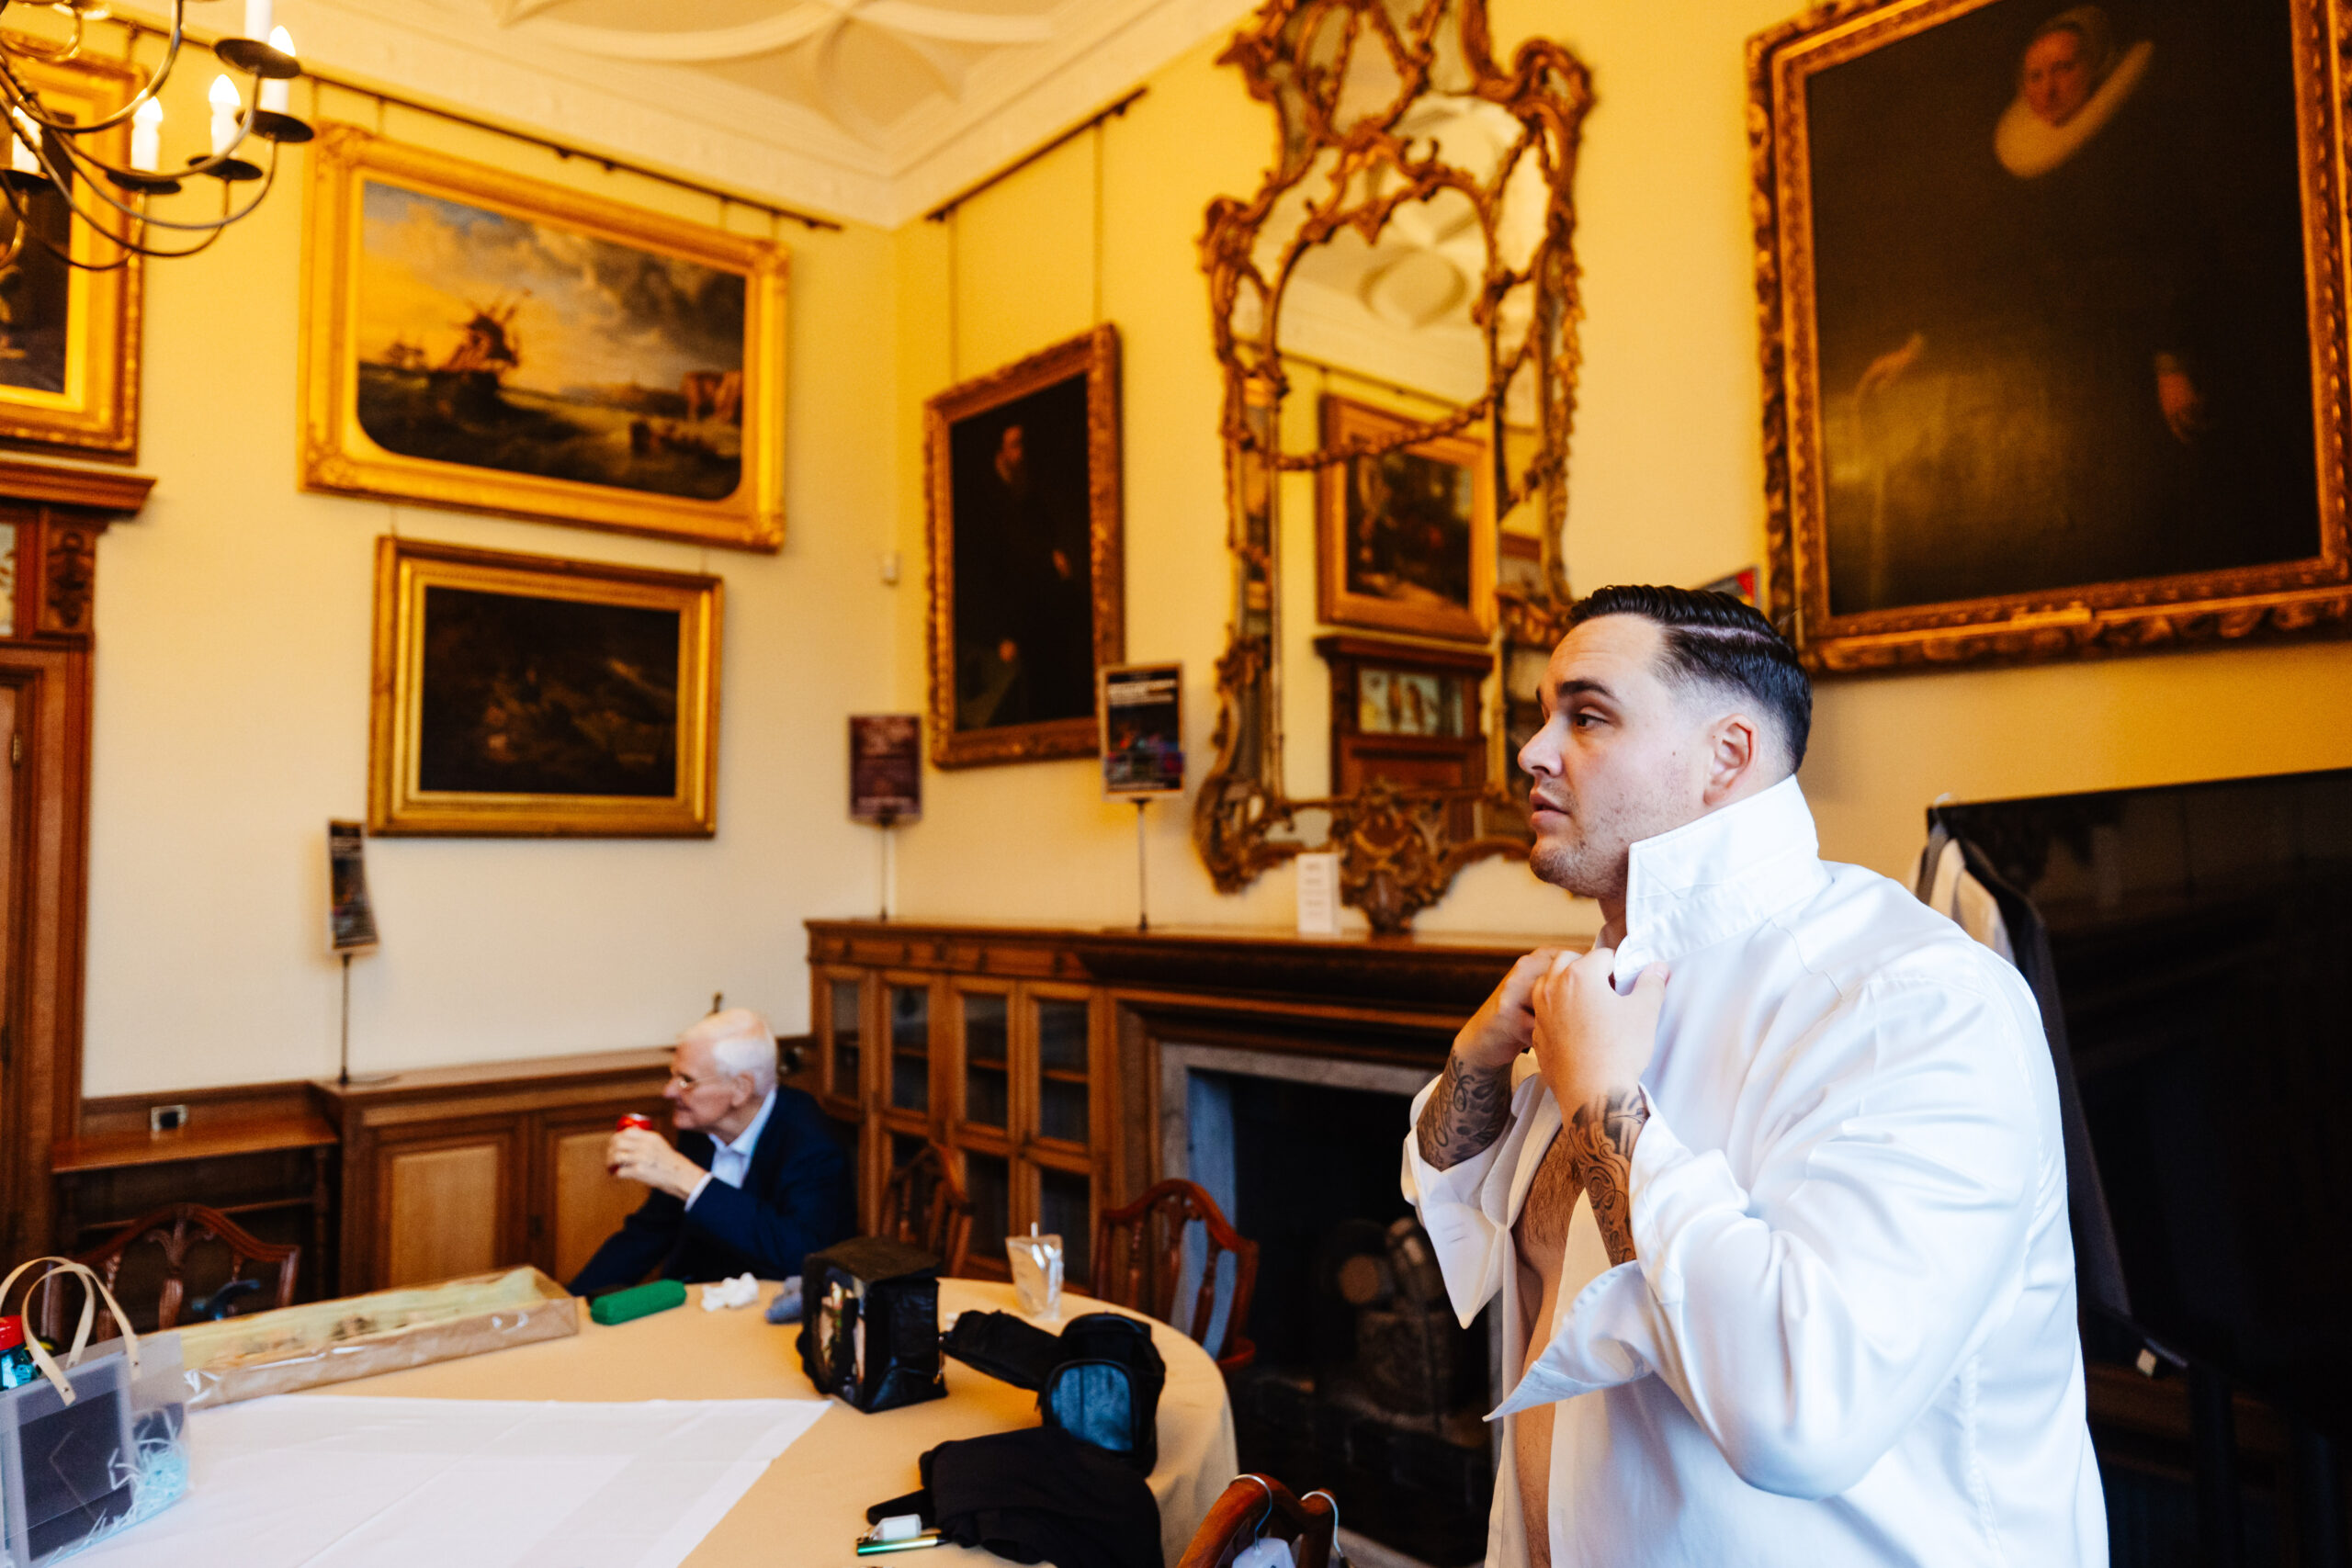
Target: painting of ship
498, 341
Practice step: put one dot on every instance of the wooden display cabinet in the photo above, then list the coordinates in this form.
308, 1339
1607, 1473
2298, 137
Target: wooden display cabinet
1012, 1075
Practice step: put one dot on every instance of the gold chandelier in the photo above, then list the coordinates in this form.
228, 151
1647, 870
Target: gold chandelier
52, 153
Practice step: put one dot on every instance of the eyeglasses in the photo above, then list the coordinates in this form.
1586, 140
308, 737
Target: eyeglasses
684, 1082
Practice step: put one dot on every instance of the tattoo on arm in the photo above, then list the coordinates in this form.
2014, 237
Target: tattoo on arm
1601, 1141
1467, 1113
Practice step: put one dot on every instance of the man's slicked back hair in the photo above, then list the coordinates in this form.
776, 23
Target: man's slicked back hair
1715, 639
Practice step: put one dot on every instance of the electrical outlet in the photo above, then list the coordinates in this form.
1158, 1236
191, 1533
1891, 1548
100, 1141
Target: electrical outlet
166, 1118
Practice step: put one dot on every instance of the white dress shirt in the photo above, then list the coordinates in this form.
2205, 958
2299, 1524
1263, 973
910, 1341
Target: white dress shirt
1847, 1335
731, 1161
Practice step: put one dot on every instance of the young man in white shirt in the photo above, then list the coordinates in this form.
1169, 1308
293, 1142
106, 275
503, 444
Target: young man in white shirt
1818, 1306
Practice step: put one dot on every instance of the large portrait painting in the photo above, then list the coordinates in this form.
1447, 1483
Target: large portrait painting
1405, 539
1025, 586
481, 341
2053, 326
524, 695
68, 334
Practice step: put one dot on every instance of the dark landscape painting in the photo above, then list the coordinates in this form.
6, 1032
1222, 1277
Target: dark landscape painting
500, 342
2062, 325
1023, 600
35, 298
531, 695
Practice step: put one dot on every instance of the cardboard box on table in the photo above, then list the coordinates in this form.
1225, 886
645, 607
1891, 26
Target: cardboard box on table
358, 1337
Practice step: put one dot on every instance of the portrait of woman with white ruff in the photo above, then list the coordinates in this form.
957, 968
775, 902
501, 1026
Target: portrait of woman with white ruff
2060, 292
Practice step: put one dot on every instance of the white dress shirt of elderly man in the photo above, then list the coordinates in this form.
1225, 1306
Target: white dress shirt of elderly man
1769, 1185
722, 1073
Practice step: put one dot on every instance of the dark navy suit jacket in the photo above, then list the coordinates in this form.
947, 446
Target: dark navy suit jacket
796, 1198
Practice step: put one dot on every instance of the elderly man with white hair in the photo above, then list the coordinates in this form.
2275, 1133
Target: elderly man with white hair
756, 1182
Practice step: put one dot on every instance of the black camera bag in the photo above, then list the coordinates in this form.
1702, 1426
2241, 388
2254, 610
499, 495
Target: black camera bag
869, 1332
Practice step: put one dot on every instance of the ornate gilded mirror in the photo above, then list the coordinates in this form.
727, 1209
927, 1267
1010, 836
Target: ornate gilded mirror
1395, 308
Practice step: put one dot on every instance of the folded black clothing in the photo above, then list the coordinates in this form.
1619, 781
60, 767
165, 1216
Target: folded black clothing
1003, 1346
1036, 1495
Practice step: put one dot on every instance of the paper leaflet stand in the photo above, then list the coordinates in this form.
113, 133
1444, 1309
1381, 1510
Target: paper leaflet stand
1139, 718
869, 1334
351, 924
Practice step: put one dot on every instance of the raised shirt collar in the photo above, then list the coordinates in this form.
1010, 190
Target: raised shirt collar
1725, 873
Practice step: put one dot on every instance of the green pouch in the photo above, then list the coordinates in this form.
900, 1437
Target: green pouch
637, 1300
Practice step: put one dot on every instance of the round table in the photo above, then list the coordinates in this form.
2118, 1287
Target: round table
816, 1495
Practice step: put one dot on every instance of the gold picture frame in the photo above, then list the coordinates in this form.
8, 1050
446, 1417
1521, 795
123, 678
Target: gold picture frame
633, 401
72, 386
540, 697
2233, 527
1438, 586
1022, 465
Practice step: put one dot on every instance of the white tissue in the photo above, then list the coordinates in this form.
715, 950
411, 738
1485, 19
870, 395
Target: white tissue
740, 1291
899, 1527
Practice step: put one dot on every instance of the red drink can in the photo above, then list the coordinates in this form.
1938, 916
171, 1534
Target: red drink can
631, 1120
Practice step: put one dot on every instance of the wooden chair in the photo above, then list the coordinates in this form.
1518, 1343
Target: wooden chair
923, 1203
1257, 1505
174, 1229
1176, 1203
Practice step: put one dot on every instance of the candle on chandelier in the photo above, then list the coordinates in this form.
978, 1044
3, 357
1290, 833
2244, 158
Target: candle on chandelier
277, 91
257, 18
20, 151
147, 136
227, 110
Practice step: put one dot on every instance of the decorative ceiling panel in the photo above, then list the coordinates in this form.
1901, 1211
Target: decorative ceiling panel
871, 109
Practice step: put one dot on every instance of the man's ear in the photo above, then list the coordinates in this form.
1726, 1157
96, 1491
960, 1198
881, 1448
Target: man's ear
1734, 754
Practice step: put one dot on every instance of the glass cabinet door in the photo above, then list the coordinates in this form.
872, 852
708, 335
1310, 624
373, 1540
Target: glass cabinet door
846, 1023
910, 1025
987, 1059
1062, 1068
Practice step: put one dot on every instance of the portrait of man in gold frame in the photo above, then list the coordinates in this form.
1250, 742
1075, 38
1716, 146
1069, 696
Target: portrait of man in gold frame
480, 340
1405, 541
525, 695
69, 335
2053, 320
1027, 597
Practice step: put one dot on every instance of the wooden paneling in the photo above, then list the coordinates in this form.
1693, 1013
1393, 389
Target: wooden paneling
551, 1202
589, 1202
444, 1210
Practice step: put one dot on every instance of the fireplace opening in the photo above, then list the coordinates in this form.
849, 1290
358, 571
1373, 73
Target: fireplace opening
1364, 1384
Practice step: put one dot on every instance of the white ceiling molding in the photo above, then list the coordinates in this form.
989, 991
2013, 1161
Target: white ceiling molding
874, 110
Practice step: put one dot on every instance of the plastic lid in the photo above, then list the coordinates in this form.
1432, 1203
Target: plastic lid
12, 1333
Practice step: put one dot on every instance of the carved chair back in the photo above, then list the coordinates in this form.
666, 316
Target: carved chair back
1256, 1505
1156, 1264
177, 1229
923, 1203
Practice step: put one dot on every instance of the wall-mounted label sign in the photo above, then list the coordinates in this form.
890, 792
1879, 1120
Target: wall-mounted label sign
351, 919
1143, 730
884, 767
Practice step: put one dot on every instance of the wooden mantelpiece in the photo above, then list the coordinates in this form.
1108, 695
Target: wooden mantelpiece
50, 517
1413, 983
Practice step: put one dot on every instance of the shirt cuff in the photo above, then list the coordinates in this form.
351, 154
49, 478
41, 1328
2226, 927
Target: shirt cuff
1672, 1187
697, 1191
1451, 1203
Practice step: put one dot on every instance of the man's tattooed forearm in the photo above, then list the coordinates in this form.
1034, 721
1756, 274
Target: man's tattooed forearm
1467, 1113
1601, 1141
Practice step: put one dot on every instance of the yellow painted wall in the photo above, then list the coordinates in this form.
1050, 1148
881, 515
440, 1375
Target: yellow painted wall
233, 615
232, 711
1666, 485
